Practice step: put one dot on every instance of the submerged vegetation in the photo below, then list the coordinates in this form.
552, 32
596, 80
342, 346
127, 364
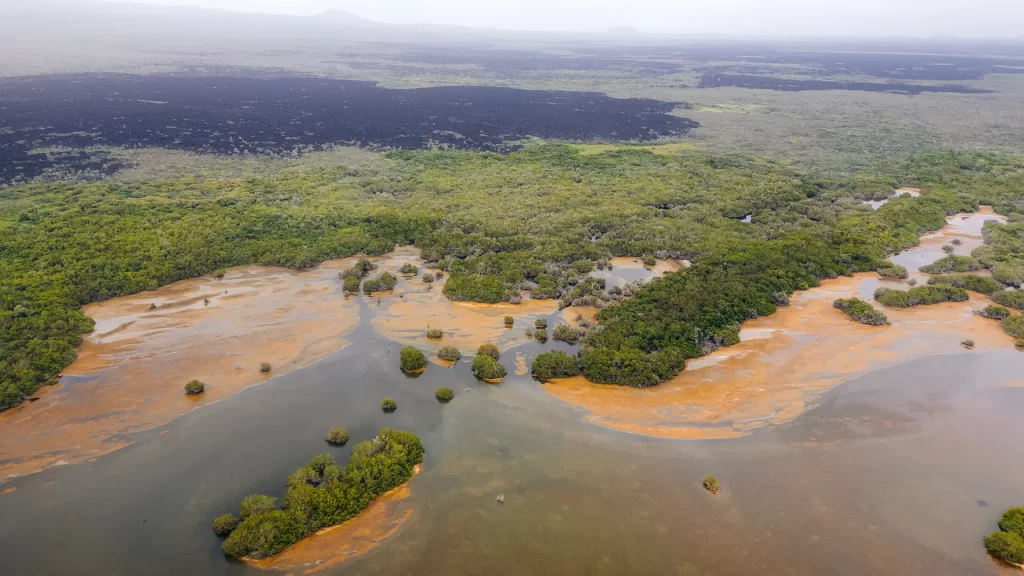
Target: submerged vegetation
861, 311
322, 494
63, 245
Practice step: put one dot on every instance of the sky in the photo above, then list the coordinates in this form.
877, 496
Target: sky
915, 18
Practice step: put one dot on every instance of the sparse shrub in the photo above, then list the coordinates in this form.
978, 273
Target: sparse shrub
254, 504
435, 333
449, 353
956, 241
565, 333
438, 275
408, 268
711, 484
509, 321
554, 364
224, 524
389, 405
337, 436
540, 323
540, 335
1014, 326
428, 277
194, 387
861, 311
993, 312
968, 343
489, 350
1019, 344
412, 359
264, 367
912, 282
948, 249
649, 260
487, 368
444, 394
893, 271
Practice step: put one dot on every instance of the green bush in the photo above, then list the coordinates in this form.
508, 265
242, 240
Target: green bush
351, 284
540, 323
435, 333
509, 321
649, 260
971, 282
582, 266
554, 364
322, 494
444, 394
224, 524
487, 368
337, 436
952, 263
1010, 298
1011, 273
540, 335
489, 350
412, 359
565, 333
920, 295
1019, 344
408, 268
861, 311
711, 484
264, 367
389, 405
194, 387
1008, 544
428, 277
893, 271
257, 504
993, 312
1014, 326
449, 353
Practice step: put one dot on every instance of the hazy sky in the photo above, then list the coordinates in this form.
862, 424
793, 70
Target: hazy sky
976, 18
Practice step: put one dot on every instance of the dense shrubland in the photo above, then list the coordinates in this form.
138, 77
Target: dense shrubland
861, 311
321, 494
497, 225
920, 295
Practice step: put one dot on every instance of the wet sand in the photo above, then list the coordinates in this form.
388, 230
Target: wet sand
130, 372
336, 544
787, 360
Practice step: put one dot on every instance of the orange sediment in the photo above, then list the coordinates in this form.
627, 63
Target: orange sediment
336, 544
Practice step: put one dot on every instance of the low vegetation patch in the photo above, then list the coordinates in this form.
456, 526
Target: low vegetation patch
861, 311
435, 333
1010, 273
1007, 544
920, 295
322, 494
194, 387
428, 277
993, 312
649, 260
384, 283
487, 368
449, 353
1014, 326
540, 335
408, 268
337, 436
565, 333
540, 323
264, 367
1011, 298
892, 271
972, 282
444, 394
411, 359
554, 364
968, 343
224, 524
489, 350
509, 321
953, 263
389, 405
711, 484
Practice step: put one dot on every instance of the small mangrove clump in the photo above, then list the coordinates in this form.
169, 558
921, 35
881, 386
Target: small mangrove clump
979, 284
1007, 544
540, 323
968, 343
649, 260
412, 359
1019, 344
444, 394
509, 321
428, 277
861, 311
489, 350
435, 333
992, 312
1010, 298
408, 268
541, 335
554, 364
449, 353
389, 405
711, 484
194, 387
952, 263
948, 249
224, 524
893, 271
1014, 326
930, 294
264, 367
337, 436
565, 333
384, 283
487, 368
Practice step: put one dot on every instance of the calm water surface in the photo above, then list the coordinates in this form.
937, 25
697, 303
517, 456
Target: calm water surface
901, 471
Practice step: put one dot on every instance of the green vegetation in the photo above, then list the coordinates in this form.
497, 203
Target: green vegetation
582, 266
64, 245
893, 271
384, 283
1011, 273
337, 436
953, 263
264, 367
649, 260
920, 295
409, 269
711, 484
1010, 298
489, 350
565, 333
540, 335
1008, 543
195, 387
861, 311
554, 364
971, 282
540, 323
255, 504
449, 353
435, 333
224, 524
322, 494
1014, 326
509, 321
411, 359
487, 368
389, 405
428, 277
351, 284
1019, 344
444, 394
993, 312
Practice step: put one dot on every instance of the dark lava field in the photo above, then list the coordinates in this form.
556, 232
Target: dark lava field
236, 115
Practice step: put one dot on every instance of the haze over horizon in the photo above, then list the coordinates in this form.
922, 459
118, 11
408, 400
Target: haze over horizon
818, 18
